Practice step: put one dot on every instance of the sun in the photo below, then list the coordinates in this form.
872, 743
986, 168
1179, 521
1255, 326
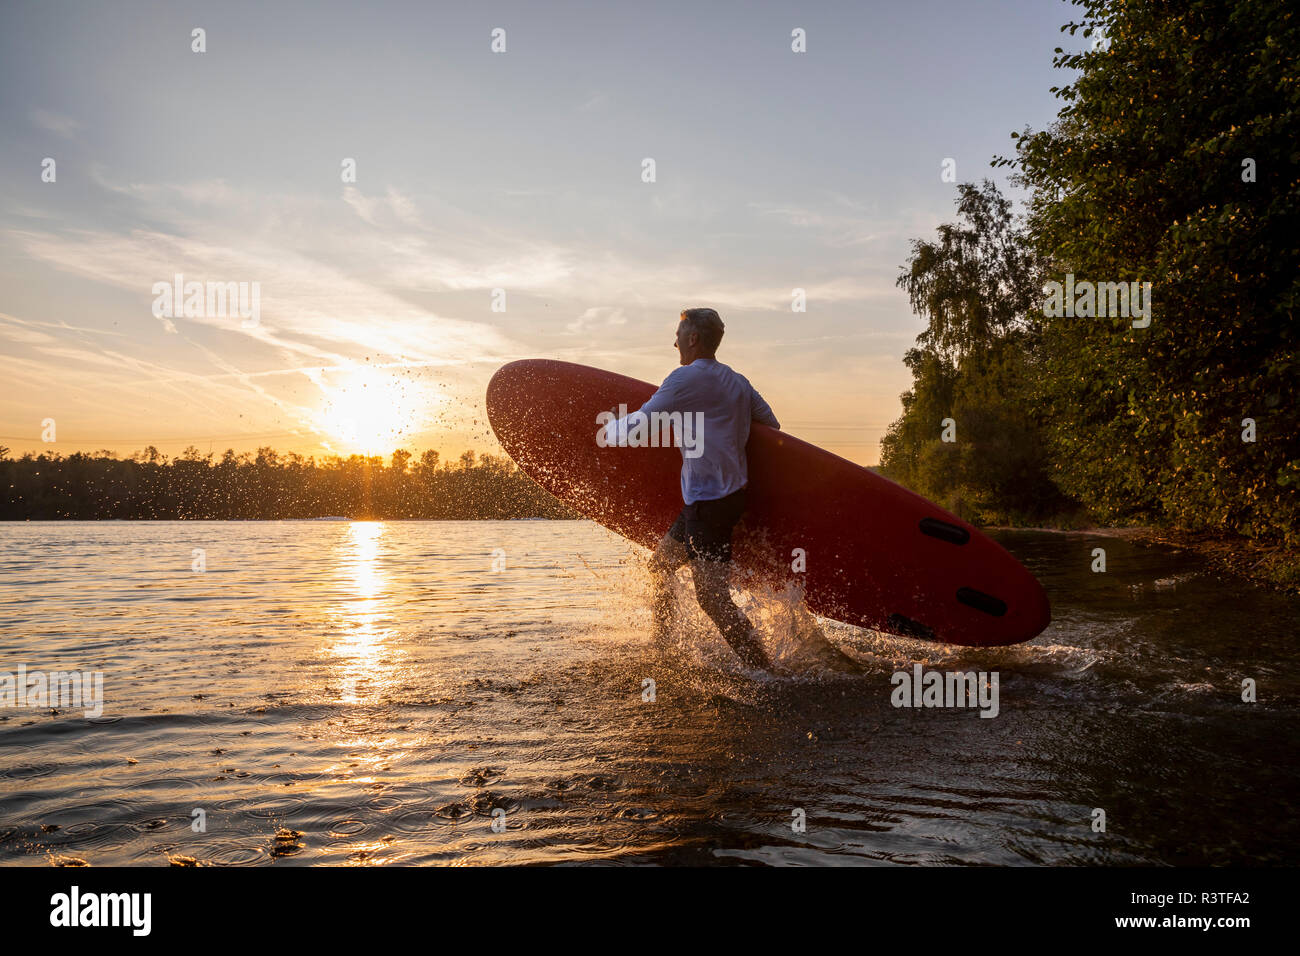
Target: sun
369, 412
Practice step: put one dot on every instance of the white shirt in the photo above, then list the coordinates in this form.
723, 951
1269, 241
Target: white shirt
728, 404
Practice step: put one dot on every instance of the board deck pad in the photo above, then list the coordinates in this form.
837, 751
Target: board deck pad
876, 554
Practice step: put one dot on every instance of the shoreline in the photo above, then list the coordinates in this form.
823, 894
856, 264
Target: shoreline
1267, 564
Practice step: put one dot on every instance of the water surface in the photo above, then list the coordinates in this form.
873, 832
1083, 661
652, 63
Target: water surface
375, 693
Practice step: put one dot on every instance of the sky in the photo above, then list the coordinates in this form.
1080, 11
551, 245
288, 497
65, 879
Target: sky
521, 171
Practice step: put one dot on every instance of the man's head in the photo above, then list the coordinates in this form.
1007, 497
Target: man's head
698, 334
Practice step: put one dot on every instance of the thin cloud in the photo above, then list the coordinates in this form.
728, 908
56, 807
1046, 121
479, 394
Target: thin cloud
55, 123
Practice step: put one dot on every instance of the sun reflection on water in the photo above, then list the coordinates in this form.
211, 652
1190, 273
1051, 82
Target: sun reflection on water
361, 620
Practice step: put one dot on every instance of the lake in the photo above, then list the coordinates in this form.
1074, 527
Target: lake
366, 693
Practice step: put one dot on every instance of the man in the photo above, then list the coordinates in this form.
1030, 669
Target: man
713, 482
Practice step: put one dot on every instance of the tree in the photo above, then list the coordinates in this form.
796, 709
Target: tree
974, 364
977, 282
1174, 162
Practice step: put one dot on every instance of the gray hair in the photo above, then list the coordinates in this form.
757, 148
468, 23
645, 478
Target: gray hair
707, 324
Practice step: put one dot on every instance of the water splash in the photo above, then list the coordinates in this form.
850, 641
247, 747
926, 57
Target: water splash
793, 637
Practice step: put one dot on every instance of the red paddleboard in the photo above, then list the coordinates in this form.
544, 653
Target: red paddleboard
876, 554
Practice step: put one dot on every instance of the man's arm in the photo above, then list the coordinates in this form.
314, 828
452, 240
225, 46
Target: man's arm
665, 398
760, 411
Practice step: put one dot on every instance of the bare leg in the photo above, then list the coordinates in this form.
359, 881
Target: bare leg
667, 558
712, 591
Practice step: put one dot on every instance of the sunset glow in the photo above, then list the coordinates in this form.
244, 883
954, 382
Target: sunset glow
371, 412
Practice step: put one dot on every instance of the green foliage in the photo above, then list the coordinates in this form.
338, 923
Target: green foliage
975, 363
976, 282
1141, 179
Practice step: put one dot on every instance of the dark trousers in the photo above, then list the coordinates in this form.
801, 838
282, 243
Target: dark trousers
702, 535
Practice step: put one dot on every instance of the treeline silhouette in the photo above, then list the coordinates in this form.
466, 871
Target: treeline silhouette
268, 485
